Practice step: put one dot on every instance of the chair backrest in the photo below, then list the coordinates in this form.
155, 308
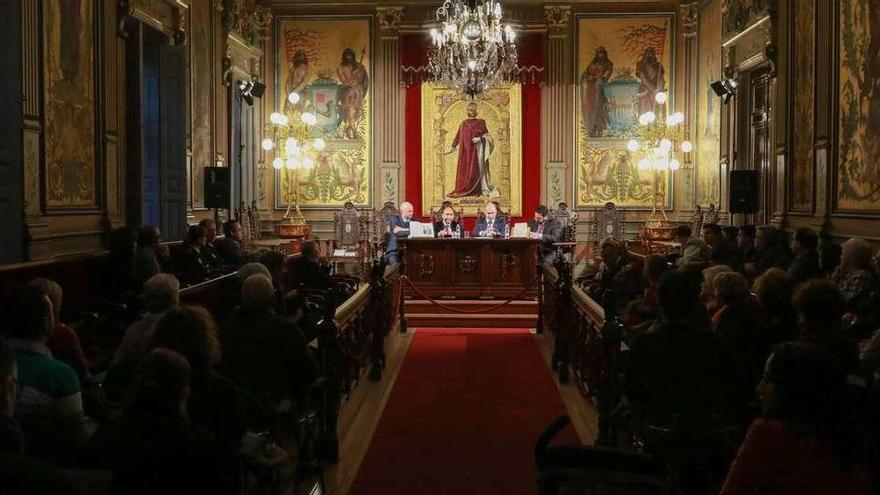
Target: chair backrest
382, 218
697, 221
254, 216
437, 214
348, 224
609, 222
711, 216
568, 220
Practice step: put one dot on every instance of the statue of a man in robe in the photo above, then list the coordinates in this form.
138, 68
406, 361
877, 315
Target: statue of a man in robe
475, 145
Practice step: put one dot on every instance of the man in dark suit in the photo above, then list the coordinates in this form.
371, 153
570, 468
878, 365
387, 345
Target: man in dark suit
447, 226
547, 230
490, 225
398, 227
230, 247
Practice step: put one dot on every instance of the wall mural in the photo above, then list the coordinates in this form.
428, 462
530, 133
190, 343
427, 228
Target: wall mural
69, 85
622, 62
330, 62
708, 121
471, 150
803, 92
858, 177
741, 14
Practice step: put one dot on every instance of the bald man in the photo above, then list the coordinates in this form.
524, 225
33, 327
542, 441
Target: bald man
491, 225
398, 228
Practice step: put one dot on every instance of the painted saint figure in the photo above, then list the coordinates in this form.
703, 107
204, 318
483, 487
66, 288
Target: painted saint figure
593, 100
652, 79
475, 145
297, 80
353, 84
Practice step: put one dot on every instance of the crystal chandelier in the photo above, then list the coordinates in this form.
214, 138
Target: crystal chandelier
296, 149
663, 137
471, 51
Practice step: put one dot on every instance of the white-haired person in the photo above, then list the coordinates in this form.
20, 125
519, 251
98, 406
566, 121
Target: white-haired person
160, 295
398, 228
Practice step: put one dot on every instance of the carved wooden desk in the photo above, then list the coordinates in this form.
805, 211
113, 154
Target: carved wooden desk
470, 268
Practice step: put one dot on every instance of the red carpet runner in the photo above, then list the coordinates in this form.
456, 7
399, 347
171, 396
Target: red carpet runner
463, 416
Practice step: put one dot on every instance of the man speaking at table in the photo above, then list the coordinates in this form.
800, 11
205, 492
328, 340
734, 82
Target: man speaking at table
548, 230
490, 225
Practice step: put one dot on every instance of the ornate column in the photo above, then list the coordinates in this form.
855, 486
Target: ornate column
389, 98
556, 101
688, 172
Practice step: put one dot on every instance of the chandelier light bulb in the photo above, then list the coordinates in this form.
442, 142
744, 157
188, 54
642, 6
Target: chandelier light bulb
319, 144
674, 164
275, 118
644, 164
283, 120
665, 145
687, 146
670, 120
650, 117
661, 97
277, 163
472, 64
293, 98
632, 145
268, 144
679, 117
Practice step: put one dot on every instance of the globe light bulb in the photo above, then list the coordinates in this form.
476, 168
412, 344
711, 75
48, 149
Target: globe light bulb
282, 119
632, 145
319, 144
674, 164
661, 97
277, 163
650, 117
670, 120
665, 145
293, 98
644, 164
268, 144
275, 118
472, 65
679, 117
687, 146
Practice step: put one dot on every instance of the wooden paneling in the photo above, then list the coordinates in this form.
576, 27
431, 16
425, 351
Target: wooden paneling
10, 137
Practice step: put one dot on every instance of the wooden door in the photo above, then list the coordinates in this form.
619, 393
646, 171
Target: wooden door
172, 108
758, 147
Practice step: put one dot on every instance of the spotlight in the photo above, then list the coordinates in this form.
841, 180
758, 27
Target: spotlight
257, 89
250, 90
725, 89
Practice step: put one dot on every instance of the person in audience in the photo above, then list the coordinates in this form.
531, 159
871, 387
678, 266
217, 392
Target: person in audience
210, 256
11, 436
160, 295
491, 225
854, 276
676, 380
644, 310
774, 291
619, 280
307, 269
690, 248
546, 229
64, 342
151, 255
398, 228
49, 403
264, 353
447, 226
820, 308
231, 247
700, 317
150, 447
215, 403
721, 250
729, 236
805, 442
805, 264
745, 243
190, 264
771, 251
737, 325
707, 292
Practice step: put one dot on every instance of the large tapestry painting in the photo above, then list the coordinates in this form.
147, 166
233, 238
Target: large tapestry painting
803, 44
622, 62
471, 149
69, 82
329, 61
858, 177
708, 122
743, 13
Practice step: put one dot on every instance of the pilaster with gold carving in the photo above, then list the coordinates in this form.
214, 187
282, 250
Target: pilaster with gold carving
389, 102
557, 99
688, 173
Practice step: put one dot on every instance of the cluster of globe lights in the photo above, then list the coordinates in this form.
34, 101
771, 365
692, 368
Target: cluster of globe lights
659, 139
298, 150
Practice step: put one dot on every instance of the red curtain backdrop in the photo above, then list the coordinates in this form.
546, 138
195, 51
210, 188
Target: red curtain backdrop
530, 47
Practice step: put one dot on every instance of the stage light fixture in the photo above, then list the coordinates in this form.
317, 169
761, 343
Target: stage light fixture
725, 89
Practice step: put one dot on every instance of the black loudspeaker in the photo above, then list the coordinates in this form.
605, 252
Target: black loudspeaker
743, 191
217, 187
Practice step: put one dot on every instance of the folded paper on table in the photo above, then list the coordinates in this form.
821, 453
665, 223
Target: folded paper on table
520, 229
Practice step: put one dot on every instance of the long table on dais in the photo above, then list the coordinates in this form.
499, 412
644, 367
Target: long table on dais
470, 268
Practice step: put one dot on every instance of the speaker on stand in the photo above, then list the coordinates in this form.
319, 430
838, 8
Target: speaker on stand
217, 192
744, 191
